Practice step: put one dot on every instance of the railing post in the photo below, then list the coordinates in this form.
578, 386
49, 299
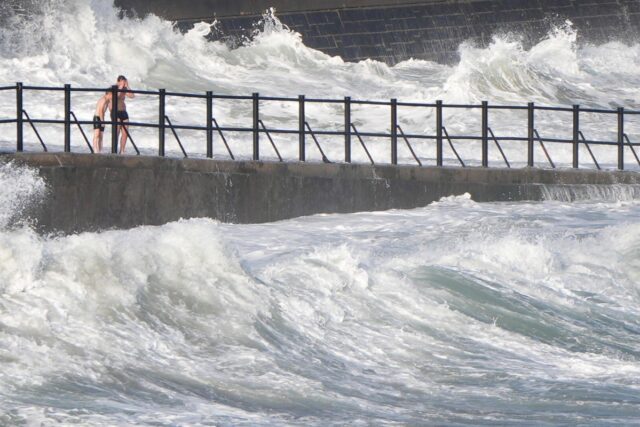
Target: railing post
114, 119
530, 128
19, 121
67, 118
485, 134
347, 129
576, 135
621, 138
301, 129
394, 131
256, 129
161, 121
439, 133
209, 124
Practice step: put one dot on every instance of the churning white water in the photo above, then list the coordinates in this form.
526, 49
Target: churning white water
455, 313
84, 43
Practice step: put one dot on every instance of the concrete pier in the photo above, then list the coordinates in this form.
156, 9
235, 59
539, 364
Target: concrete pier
96, 192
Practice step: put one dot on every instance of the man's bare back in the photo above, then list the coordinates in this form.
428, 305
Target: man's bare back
98, 120
102, 105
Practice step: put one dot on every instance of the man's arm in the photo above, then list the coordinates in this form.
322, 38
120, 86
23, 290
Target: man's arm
128, 93
105, 106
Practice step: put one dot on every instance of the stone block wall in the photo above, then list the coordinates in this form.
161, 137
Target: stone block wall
434, 30
396, 30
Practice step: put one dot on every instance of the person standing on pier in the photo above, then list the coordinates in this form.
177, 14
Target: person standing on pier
123, 116
98, 120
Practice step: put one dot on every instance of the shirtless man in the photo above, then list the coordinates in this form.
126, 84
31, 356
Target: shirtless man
123, 84
98, 120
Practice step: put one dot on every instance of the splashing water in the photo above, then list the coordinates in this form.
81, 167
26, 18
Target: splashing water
84, 43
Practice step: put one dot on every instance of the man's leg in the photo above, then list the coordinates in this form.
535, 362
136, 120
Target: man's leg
123, 137
101, 135
97, 136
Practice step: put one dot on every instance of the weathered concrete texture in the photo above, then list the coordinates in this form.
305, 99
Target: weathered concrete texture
88, 192
394, 30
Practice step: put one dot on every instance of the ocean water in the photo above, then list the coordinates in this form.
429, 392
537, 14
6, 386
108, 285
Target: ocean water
456, 313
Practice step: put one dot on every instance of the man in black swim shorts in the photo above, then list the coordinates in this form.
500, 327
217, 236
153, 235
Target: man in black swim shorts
98, 120
123, 116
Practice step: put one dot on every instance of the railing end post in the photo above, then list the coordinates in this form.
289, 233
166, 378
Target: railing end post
209, 95
161, 121
67, 118
576, 136
394, 131
439, 122
301, 129
19, 118
347, 129
621, 138
256, 124
485, 134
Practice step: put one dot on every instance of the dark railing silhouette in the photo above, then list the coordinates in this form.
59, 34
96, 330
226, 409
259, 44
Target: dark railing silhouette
304, 129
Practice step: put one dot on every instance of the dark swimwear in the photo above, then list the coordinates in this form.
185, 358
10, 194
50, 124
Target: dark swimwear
97, 123
122, 115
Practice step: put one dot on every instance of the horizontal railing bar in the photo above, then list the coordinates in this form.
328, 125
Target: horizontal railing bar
507, 107
461, 106
278, 98
43, 88
90, 89
364, 102
139, 92
185, 95
415, 104
319, 132
8, 87
553, 108
243, 97
324, 101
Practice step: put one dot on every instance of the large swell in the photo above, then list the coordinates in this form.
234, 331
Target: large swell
455, 313
84, 43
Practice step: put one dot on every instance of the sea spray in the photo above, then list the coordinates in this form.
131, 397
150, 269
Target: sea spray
21, 188
86, 43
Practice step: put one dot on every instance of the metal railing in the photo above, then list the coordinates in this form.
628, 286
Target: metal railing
303, 130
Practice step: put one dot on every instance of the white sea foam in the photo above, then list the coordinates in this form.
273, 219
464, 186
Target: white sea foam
379, 316
84, 43
21, 187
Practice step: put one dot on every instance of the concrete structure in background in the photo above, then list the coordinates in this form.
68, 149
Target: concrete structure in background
395, 30
89, 192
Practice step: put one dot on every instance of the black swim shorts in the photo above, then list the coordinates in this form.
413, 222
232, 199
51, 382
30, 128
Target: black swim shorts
122, 115
97, 123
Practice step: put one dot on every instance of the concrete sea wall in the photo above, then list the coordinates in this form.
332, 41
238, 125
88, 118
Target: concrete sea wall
395, 30
89, 192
